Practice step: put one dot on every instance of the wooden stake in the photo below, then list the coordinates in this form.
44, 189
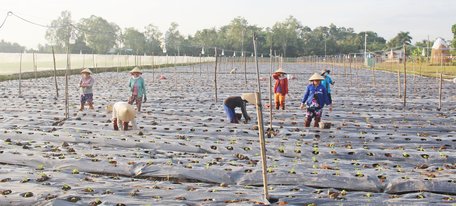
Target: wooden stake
270, 94
20, 75
215, 74
405, 75
34, 65
55, 74
67, 109
260, 126
440, 92
245, 69
399, 82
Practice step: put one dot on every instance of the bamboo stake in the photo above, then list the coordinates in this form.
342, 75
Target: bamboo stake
405, 75
440, 92
270, 95
67, 110
55, 74
34, 65
261, 127
245, 69
20, 75
399, 82
215, 74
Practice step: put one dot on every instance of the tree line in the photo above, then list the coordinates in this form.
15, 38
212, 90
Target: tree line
288, 38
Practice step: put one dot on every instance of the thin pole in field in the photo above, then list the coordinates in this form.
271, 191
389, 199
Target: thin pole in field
245, 69
20, 75
405, 75
440, 92
34, 65
67, 110
215, 74
270, 94
55, 74
153, 70
399, 81
260, 126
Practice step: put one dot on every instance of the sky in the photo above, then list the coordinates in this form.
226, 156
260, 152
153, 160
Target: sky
422, 18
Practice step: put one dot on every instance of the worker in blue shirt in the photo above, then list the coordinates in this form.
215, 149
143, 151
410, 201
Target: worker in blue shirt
314, 100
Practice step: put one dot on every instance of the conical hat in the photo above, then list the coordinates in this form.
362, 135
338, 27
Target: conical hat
136, 70
126, 113
316, 76
249, 97
280, 70
86, 71
324, 71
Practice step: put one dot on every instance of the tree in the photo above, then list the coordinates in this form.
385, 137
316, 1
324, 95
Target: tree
453, 29
8, 47
154, 38
135, 40
61, 30
285, 34
400, 39
173, 39
98, 33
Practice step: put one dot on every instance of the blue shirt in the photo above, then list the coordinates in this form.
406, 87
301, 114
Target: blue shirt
320, 91
327, 83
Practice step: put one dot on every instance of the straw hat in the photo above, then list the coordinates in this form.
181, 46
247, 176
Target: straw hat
86, 70
126, 113
136, 70
316, 76
324, 71
249, 97
280, 70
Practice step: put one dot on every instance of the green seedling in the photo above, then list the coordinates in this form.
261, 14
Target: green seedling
66, 187
75, 171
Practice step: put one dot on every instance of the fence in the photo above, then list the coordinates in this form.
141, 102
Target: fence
11, 62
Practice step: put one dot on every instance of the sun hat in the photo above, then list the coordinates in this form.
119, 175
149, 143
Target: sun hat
126, 113
86, 70
136, 70
316, 76
249, 97
324, 71
280, 70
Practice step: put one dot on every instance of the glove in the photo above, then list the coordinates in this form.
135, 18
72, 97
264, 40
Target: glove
145, 99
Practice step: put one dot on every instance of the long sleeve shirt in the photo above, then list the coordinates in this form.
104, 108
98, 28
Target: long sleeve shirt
86, 85
237, 101
137, 85
281, 84
327, 82
321, 94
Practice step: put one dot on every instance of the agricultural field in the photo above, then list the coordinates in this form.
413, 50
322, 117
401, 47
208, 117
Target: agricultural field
377, 152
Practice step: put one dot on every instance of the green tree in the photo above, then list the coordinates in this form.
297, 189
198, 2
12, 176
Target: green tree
98, 33
135, 40
453, 29
173, 39
154, 39
400, 39
7, 47
61, 30
286, 35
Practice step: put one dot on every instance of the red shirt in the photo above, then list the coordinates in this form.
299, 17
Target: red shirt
282, 82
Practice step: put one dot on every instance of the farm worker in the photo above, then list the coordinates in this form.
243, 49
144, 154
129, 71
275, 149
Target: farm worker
315, 98
122, 114
327, 82
85, 84
280, 88
232, 102
137, 88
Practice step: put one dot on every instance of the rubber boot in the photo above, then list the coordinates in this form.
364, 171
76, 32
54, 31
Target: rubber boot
307, 122
283, 107
91, 105
277, 105
114, 123
125, 126
317, 121
138, 105
82, 107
